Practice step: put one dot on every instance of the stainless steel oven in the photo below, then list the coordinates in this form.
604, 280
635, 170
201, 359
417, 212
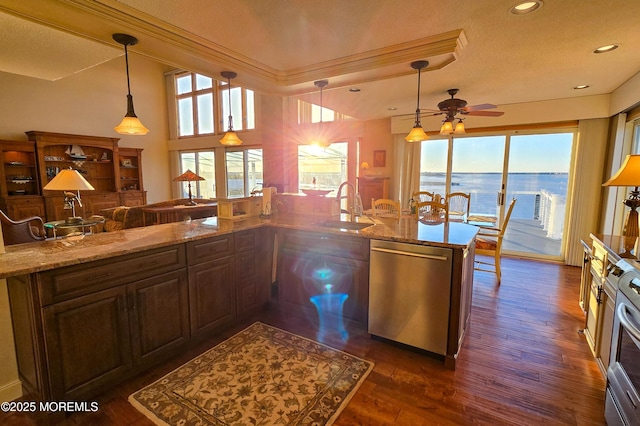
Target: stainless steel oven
622, 401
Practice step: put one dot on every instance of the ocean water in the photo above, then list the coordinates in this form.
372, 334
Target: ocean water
528, 188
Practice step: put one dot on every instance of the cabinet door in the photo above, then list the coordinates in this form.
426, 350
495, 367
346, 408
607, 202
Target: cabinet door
331, 284
24, 207
159, 315
95, 202
252, 273
88, 344
212, 298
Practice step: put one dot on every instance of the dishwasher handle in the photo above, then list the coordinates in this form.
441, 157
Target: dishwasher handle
408, 253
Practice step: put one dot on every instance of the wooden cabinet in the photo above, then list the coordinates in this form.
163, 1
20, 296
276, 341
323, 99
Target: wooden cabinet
315, 264
372, 187
99, 160
130, 177
252, 269
212, 293
19, 184
85, 327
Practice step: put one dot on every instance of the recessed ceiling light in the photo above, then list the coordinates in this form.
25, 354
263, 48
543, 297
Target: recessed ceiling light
607, 48
525, 7
581, 86
354, 90
392, 108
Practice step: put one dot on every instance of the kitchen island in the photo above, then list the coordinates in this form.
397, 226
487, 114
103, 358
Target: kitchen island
88, 313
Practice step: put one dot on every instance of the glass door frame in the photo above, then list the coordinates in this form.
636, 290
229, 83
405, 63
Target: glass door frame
505, 175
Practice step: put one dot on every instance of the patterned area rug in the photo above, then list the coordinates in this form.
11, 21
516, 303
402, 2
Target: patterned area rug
260, 376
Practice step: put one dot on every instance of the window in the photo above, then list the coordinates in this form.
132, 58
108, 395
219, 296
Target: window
198, 111
327, 167
310, 113
203, 164
244, 171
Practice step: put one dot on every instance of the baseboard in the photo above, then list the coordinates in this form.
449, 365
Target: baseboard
11, 391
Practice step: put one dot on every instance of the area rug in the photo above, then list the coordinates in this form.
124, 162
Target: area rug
260, 376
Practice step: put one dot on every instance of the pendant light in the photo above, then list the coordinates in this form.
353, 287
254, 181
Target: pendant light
321, 140
417, 134
130, 124
230, 138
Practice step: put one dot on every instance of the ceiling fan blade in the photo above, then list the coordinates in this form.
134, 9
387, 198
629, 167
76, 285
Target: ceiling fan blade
478, 107
424, 114
484, 113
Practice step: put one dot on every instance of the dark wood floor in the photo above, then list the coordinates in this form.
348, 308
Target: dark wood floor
523, 362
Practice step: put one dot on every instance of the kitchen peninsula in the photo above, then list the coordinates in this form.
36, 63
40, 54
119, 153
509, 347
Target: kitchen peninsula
89, 313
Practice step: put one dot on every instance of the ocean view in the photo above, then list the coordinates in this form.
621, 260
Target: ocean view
484, 187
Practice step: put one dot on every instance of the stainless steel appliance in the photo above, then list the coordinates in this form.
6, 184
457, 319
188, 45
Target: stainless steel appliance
409, 294
622, 400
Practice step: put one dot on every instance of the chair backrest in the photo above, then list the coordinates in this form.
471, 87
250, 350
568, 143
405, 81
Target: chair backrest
422, 196
21, 231
383, 207
432, 211
458, 204
507, 216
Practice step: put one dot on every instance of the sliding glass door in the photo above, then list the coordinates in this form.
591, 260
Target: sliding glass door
532, 168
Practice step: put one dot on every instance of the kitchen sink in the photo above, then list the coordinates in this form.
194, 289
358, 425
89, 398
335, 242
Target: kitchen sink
338, 224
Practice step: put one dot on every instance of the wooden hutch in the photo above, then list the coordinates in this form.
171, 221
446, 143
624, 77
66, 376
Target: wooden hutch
27, 167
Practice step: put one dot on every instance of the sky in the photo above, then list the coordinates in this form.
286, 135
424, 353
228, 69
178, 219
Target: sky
548, 153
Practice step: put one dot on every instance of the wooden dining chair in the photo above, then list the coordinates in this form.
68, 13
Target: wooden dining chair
384, 207
22, 231
489, 242
432, 211
421, 196
458, 204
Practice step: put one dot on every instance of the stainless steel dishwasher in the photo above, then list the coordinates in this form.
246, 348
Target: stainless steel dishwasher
409, 294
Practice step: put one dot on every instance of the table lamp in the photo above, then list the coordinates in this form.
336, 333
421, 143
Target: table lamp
189, 177
629, 175
66, 181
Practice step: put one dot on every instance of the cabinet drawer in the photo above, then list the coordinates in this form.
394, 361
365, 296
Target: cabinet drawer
246, 240
209, 248
335, 245
73, 281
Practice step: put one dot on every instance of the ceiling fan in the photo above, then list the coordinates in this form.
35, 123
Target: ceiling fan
454, 106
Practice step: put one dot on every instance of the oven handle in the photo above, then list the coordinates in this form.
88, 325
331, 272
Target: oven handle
626, 321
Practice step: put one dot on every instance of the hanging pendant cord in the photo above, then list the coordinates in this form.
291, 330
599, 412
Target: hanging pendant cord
126, 61
230, 115
418, 103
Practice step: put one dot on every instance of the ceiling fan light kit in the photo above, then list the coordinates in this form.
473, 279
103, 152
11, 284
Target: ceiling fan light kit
130, 124
417, 133
230, 138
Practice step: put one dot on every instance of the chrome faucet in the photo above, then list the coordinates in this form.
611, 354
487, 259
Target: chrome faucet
354, 202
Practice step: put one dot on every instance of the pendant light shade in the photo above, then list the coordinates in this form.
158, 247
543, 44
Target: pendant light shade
447, 128
417, 134
130, 124
459, 128
230, 138
321, 139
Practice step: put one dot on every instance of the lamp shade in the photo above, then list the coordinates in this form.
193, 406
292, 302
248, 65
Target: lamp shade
364, 165
230, 139
188, 176
459, 128
447, 128
69, 180
131, 126
629, 173
417, 134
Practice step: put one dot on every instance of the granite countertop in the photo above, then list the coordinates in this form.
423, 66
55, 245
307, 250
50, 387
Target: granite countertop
40, 256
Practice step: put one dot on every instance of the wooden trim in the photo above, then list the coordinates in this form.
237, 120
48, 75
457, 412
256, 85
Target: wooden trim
519, 127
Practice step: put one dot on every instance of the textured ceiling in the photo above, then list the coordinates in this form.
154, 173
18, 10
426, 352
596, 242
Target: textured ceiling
281, 47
